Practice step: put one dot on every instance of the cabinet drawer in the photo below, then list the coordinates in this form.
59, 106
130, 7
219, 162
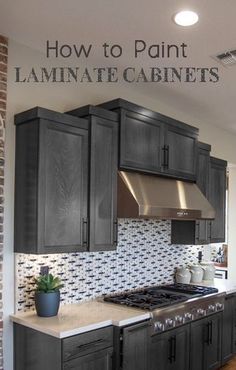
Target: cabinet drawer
82, 344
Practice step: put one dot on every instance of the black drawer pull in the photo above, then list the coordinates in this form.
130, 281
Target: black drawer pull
87, 345
84, 232
115, 232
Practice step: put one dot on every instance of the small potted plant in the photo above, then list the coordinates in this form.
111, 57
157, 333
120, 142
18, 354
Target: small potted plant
47, 295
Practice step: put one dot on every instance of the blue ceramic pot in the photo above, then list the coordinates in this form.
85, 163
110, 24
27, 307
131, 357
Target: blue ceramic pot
47, 304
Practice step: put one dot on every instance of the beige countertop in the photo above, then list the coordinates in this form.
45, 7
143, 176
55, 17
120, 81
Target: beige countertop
75, 319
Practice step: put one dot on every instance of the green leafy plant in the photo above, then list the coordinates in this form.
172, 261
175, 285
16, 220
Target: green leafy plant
48, 283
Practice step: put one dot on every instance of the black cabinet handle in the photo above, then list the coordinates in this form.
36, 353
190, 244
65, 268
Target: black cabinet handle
165, 150
115, 232
167, 156
207, 340
172, 349
210, 227
84, 232
197, 230
211, 332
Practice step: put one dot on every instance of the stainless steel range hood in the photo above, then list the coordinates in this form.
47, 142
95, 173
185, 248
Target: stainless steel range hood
147, 196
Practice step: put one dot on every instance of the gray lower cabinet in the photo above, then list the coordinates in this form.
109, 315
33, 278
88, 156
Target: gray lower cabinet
135, 347
228, 328
100, 360
34, 350
205, 343
170, 350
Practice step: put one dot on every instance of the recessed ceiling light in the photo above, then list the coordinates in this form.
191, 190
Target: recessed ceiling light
186, 18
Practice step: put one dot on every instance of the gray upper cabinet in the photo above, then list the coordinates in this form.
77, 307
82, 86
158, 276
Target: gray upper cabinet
180, 152
51, 182
217, 197
153, 143
196, 232
136, 131
103, 165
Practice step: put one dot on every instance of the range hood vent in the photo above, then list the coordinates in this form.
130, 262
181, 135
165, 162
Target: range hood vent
147, 196
228, 58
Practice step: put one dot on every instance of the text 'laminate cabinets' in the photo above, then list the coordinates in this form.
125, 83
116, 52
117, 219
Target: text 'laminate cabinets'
34, 350
170, 350
205, 343
51, 182
153, 143
217, 198
103, 166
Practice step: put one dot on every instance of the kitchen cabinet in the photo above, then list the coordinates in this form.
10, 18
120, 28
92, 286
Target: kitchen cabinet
153, 143
195, 232
205, 343
34, 350
51, 182
217, 198
211, 179
170, 350
135, 347
103, 165
228, 328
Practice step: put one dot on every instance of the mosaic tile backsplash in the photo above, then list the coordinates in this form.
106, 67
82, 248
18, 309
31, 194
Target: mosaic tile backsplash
144, 257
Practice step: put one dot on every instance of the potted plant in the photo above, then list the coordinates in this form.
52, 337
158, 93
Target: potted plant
47, 295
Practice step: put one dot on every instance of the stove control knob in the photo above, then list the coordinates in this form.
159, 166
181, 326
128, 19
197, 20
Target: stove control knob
188, 316
179, 319
219, 306
169, 323
158, 327
211, 308
201, 312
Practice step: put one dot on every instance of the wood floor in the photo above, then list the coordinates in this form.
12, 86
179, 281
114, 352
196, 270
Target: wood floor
230, 366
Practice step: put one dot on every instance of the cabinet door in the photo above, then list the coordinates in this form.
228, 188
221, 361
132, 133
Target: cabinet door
101, 360
135, 347
103, 185
203, 170
217, 198
197, 345
170, 351
62, 204
205, 339
228, 329
213, 345
141, 142
180, 153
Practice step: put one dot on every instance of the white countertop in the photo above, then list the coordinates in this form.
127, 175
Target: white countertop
75, 319
223, 285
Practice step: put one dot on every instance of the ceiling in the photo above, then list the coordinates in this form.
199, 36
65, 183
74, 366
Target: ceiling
75, 21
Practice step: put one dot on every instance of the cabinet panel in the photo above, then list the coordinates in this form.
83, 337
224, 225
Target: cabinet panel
64, 152
170, 351
228, 329
217, 198
181, 154
101, 360
141, 142
103, 185
135, 347
205, 348
51, 182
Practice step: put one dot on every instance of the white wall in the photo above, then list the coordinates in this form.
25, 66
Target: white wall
63, 97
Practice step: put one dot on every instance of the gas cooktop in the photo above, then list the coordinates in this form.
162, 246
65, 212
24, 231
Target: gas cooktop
159, 296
